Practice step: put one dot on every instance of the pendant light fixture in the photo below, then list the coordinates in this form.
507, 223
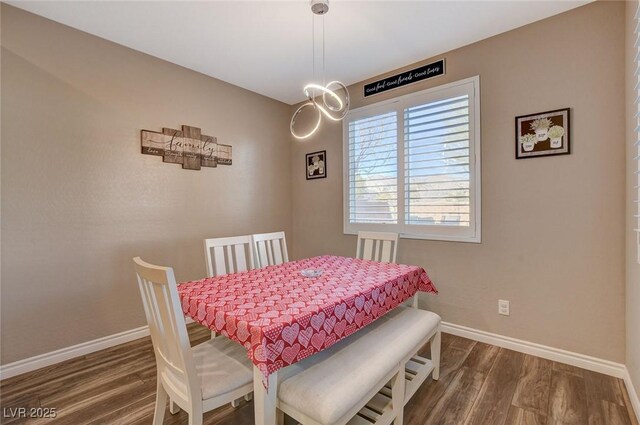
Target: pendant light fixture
322, 98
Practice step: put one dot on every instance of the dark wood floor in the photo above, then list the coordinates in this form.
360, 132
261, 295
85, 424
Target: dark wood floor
479, 384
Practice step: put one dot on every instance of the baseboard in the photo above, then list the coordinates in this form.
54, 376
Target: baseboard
27, 365
633, 394
595, 364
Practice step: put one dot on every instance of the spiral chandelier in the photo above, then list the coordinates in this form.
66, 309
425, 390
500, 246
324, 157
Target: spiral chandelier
323, 99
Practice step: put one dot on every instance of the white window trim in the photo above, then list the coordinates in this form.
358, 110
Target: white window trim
637, 131
439, 233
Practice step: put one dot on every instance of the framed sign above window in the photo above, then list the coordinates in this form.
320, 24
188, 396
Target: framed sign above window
412, 164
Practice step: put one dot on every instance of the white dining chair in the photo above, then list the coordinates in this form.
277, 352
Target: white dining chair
383, 247
271, 249
197, 379
377, 246
229, 255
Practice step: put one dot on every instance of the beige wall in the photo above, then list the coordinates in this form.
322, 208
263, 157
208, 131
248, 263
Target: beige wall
552, 233
78, 198
633, 268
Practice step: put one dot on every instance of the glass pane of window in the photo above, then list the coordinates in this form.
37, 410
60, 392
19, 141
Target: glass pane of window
373, 169
436, 155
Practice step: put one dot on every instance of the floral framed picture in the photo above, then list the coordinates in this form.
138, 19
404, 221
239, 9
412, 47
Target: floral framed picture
316, 165
543, 134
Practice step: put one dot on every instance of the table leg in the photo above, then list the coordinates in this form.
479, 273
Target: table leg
264, 401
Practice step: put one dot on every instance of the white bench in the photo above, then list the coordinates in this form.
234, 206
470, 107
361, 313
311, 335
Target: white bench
365, 378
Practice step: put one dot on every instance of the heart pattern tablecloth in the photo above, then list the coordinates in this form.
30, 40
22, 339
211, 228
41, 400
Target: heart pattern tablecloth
282, 317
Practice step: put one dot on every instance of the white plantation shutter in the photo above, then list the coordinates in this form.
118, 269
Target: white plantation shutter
373, 169
437, 163
412, 165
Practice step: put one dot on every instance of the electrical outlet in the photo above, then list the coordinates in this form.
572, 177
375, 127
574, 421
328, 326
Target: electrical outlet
503, 307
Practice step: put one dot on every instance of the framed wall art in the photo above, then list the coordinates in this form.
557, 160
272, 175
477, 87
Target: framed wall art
543, 134
188, 147
316, 165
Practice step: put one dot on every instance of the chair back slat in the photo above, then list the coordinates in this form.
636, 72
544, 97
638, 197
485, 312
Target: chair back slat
277, 251
271, 249
241, 260
368, 249
230, 255
230, 267
219, 266
262, 253
386, 251
167, 327
377, 246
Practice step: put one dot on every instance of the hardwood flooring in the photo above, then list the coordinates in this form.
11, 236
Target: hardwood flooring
479, 384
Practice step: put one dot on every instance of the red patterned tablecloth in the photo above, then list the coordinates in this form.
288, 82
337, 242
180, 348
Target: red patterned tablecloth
281, 317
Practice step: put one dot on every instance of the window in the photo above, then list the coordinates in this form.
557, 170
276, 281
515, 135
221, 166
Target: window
412, 165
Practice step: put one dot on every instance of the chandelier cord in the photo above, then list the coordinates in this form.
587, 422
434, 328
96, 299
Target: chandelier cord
324, 73
313, 46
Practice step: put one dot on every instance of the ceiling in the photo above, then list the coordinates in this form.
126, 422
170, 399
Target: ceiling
266, 46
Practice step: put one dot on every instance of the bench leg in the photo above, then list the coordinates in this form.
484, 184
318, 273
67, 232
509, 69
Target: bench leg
280, 417
435, 355
397, 396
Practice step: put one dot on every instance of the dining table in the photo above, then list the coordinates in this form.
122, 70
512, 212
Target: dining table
285, 313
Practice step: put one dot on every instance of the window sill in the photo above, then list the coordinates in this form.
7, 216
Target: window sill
439, 238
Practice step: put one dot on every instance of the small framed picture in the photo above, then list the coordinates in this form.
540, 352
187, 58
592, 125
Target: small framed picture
316, 165
543, 134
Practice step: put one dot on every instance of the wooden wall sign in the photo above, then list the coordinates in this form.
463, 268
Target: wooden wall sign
188, 147
424, 72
